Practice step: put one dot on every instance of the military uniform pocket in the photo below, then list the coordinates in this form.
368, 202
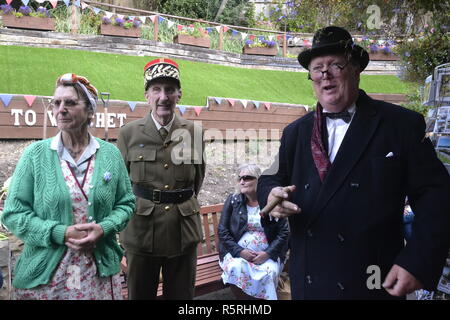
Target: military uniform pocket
142, 163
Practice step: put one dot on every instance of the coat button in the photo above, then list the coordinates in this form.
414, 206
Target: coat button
309, 233
308, 279
354, 185
166, 166
140, 157
340, 286
340, 237
307, 186
167, 208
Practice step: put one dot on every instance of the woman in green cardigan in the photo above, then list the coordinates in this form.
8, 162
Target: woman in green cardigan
69, 197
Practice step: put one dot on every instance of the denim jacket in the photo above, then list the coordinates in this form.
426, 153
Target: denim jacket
233, 225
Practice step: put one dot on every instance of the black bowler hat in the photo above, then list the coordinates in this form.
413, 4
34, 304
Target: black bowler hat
331, 40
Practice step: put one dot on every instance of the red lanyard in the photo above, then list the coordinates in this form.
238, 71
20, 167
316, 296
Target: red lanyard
84, 178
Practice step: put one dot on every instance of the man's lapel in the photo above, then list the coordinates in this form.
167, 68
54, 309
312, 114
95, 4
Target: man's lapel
356, 140
149, 129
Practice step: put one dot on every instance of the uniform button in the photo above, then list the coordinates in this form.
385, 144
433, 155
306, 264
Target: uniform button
141, 157
166, 145
307, 186
308, 279
341, 238
166, 166
340, 286
166, 186
309, 233
167, 208
194, 211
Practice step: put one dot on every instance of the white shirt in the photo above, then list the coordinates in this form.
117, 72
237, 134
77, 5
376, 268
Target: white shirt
159, 126
337, 128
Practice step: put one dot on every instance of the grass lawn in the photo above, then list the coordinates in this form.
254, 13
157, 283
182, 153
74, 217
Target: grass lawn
26, 70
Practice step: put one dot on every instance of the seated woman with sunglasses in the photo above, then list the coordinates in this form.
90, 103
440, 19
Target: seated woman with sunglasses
251, 256
69, 197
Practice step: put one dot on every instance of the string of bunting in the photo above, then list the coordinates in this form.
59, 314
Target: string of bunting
372, 44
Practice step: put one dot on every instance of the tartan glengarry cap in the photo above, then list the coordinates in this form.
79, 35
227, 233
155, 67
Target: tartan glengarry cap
161, 68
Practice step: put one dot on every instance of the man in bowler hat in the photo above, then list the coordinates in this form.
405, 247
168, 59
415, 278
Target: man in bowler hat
164, 156
348, 167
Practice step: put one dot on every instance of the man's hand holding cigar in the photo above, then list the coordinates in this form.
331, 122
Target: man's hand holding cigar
278, 205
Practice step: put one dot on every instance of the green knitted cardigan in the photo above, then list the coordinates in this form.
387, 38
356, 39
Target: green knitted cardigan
38, 210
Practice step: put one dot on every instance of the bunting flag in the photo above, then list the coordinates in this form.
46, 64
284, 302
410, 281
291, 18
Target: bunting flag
96, 10
153, 18
270, 37
6, 98
39, 1
198, 110
54, 3
25, 2
84, 5
108, 14
161, 19
182, 109
170, 24
231, 101
30, 99
143, 18
218, 28
256, 103
267, 105
243, 35
67, 2
251, 37
218, 100
77, 3
225, 28
244, 103
9, 1
179, 27
209, 30
132, 104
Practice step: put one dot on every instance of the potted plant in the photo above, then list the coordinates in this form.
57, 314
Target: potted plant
193, 35
125, 27
377, 51
260, 46
27, 18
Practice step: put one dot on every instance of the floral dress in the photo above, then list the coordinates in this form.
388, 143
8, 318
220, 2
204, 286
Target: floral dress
76, 275
259, 281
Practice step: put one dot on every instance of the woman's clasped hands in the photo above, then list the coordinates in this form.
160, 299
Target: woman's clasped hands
83, 236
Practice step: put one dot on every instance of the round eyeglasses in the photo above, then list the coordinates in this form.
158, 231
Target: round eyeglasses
334, 69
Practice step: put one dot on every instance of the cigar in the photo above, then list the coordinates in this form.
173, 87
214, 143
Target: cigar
272, 204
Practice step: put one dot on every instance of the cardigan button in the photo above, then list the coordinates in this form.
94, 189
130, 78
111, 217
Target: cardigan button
89, 203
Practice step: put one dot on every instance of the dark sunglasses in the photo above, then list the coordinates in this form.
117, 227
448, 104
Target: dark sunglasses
246, 178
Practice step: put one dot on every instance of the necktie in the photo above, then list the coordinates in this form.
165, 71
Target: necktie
163, 132
344, 115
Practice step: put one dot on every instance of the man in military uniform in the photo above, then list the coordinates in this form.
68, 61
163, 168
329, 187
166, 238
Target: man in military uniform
164, 156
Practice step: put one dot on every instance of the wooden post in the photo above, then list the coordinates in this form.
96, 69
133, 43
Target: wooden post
284, 44
221, 38
155, 28
44, 133
74, 19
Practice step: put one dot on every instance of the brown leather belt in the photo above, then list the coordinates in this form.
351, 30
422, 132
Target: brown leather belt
162, 196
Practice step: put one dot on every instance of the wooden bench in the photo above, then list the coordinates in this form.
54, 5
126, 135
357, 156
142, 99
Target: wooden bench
208, 277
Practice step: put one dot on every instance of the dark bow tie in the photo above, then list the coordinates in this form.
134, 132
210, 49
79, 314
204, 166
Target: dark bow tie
344, 115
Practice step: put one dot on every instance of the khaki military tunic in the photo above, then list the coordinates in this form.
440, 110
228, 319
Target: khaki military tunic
163, 229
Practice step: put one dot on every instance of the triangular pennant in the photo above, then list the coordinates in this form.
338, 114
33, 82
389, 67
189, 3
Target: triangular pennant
218, 28
95, 9
83, 5
170, 23
153, 18
244, 103
67, 2
256, 103
225, 28
131, 17
179, 27
39, 1
6, 98
243, 35
161, 19
182, 109
231, 101
132, 104
30, 100
9, 1
270, 37
209, 30
25, 2
109, 14
218, 100
234, 33
251, 37
77, 3
198, 110
143, 18
267, 105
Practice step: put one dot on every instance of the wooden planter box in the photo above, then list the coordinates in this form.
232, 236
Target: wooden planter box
111, 30
383, 56
264, 51
27, 22
204, 42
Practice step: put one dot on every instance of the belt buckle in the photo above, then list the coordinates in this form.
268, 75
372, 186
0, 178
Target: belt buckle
156, 195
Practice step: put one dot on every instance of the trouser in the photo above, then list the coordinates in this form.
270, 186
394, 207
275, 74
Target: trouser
178, 276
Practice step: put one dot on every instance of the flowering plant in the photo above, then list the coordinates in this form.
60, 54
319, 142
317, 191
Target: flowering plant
195, 30
6, 9
41, 12
126, 22
260, 42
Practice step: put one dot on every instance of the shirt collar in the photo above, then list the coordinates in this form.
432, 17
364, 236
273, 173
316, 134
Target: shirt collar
159, 126
57, 145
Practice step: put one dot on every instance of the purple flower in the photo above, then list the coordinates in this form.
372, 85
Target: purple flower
407, 54
137, 23
6, 8
107, 176
43, 11
248, 42
25, 10
373, 48
119, 22
106, 20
